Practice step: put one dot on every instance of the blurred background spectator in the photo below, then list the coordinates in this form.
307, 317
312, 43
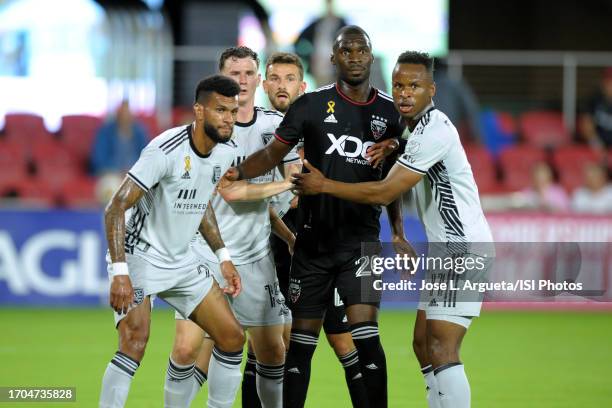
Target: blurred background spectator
597, 117
595, 197
118, 142
545, 194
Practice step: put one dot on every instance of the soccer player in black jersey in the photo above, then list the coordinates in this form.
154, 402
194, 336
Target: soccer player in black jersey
339, 124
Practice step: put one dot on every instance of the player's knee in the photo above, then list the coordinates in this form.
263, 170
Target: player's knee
184, 352
272, 353
232, 341
341, 345
441, 351
133, 341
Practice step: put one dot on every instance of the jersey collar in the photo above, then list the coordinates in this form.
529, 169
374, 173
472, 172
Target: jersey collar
250, 122
193, 147
374, 92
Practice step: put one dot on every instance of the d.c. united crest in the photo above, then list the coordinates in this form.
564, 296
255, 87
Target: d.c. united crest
378, 125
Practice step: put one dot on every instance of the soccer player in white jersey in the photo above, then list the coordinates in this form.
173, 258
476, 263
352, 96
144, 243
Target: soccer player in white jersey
169, 191
435, 164
242, 213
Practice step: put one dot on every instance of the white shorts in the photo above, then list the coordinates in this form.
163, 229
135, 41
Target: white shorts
182, 288
260, 303
454, 301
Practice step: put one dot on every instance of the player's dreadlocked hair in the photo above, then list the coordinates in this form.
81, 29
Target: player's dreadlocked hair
419, 58
237, 52
285, 58
216, 83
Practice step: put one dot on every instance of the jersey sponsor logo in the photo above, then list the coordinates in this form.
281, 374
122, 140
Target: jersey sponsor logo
187, 194
295, 290
187, 168
330, 119
216, 174
351, 147
378, 125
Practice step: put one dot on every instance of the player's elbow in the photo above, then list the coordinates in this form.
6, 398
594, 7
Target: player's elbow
231, 195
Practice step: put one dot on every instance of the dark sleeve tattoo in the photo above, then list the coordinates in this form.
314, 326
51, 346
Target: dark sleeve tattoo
210, 230
125, 198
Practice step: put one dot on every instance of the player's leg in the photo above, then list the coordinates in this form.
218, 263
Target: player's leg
362, 302
269, 350
250, 399
133, 330
181, 383
214, 315
419, 345
310, 289
339, 338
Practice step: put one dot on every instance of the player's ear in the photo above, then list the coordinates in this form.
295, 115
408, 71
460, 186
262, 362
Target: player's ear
198, 112
432, 89
303, 86
264, 84
258, 79
332, 58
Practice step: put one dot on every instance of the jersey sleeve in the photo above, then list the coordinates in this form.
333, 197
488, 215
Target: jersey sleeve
425, 149
291, 129
150, 168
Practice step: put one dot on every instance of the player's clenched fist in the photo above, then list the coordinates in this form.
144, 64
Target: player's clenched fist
121, 293
232, 278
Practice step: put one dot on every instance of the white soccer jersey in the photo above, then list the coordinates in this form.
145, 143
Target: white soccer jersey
447, 197
245, 226
179, 182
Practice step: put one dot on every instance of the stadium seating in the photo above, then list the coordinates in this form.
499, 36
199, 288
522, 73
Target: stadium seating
79, 192
78, 134
517, 163
54, 164
13, 165
483, 168
25, 128
544, 129
35, 192
569, 162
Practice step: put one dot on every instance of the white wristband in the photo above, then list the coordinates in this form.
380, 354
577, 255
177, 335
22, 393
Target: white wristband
223, 255
119, 268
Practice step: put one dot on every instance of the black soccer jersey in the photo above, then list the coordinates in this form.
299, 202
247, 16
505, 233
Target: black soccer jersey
337, 131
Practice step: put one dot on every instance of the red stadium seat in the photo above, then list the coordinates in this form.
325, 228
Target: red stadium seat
569, 162
54, 164
544, 129
483, 168
25, 128
517, 163
13, 163
78, 134
79, 192
36, 192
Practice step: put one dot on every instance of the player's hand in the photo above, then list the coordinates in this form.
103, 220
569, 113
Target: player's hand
376, 153
232, 174
232, 279
121, 294
402, 247
308, 183
294, 201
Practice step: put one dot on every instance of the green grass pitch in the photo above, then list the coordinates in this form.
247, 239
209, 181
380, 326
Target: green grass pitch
513, 359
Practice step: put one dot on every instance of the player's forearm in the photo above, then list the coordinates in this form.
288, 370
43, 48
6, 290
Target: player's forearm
279, 228
210, 230
243, 191
114, 222
396, 222
263, 160
372, 193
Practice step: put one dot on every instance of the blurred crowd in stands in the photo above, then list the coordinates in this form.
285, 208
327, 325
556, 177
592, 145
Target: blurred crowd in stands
529, 161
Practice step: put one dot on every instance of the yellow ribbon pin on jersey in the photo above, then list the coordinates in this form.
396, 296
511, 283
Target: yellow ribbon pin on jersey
187, 164
330, 106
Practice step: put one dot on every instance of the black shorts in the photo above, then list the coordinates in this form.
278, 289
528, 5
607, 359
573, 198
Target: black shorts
314, 276
335, 321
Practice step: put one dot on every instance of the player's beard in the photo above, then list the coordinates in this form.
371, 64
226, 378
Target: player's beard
214, 134
281, 107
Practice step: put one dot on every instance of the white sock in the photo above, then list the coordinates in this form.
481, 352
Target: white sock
116, 381
224, 378
198, 380
433, 399
270, 385
453, 386
178, 385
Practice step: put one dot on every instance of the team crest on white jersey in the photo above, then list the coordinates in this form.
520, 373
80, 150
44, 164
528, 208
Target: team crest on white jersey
216, 174
266, 137
187, 168
378, 125
138, 295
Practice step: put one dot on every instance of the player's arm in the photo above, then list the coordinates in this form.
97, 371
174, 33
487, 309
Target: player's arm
260, 162
210, 231
381, 150
281, 230
121, 291
382, 192
244, 191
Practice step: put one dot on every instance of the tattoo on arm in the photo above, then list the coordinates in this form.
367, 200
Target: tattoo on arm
125, 198
210, 230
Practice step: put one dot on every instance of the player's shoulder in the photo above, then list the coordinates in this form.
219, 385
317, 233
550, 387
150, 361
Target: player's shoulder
435, 122
384, 98
323, 92
263, 112
169, 140
267, 117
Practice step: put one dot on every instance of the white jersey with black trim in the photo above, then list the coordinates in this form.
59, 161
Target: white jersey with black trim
447, 197
178, 183
245, 226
